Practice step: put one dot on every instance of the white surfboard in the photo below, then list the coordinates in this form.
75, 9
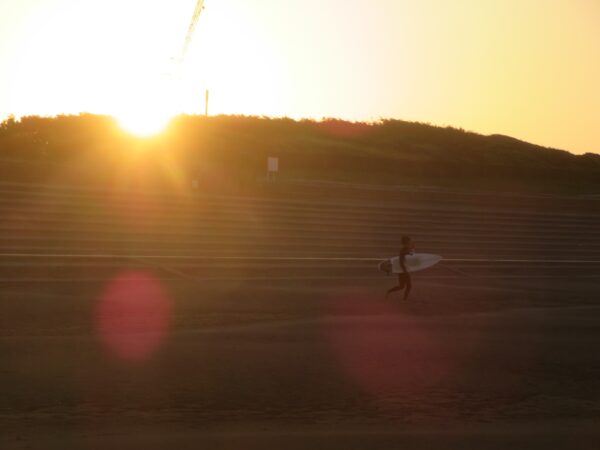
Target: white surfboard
414, 263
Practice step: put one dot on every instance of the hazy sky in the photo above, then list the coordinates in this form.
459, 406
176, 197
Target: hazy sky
526, 68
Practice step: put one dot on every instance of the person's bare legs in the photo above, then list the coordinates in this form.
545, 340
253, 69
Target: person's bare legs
408, 286
401, 285
392, 290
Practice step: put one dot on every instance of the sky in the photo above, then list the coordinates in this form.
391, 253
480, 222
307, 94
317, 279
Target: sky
524, 68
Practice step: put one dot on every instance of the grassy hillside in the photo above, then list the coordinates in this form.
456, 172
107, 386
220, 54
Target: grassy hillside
233, 149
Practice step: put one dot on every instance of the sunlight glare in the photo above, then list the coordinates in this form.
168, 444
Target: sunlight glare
148, 104
144, 123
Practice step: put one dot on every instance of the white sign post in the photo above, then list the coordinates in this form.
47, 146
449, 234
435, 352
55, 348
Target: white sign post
272, 167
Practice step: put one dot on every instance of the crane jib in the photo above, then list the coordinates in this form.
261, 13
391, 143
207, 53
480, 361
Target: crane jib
192, 28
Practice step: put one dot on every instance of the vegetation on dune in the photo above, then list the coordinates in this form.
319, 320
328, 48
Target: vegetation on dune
91, 148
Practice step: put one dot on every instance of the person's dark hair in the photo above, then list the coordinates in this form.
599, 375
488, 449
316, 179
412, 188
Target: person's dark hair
405, 240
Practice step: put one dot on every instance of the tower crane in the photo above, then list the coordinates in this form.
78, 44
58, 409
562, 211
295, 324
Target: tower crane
188, 41
191, 29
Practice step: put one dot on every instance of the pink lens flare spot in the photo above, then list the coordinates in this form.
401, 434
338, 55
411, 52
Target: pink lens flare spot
385, 350
133, 316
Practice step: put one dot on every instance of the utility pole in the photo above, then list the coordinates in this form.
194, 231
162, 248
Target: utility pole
206, 103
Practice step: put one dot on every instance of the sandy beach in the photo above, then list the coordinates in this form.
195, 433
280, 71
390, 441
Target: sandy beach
302, 364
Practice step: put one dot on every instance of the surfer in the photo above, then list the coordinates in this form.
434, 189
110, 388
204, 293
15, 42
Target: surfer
404, 281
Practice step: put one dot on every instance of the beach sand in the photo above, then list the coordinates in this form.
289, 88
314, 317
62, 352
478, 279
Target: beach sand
466, 363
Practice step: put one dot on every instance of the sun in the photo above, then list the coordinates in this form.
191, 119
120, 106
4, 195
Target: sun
148, 104
144, 123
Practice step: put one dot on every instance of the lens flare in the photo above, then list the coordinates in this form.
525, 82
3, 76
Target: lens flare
387, 353
133, 316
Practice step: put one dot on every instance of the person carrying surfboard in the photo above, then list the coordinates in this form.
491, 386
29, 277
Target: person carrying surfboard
404, 281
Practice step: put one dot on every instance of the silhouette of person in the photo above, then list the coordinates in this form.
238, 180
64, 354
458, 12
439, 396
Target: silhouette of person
404, 281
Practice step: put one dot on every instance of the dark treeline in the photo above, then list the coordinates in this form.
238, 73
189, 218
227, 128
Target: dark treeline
233, 149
